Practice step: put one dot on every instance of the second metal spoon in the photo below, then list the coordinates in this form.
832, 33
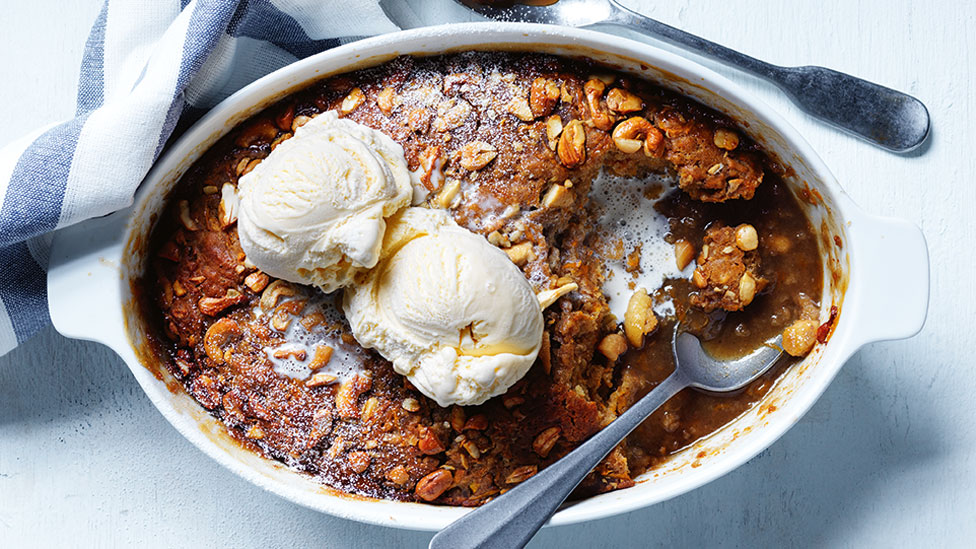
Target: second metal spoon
885, 117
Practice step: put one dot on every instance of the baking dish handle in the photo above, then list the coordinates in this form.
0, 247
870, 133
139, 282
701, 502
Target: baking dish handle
84, 280
891, 274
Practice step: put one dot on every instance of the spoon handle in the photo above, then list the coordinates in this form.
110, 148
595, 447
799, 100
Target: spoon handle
885, 117
512, 519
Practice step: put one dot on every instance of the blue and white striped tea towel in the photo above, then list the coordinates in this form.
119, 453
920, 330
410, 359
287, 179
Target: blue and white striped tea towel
149, 69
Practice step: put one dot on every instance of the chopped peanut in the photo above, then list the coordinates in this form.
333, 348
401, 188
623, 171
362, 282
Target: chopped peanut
639, 318
799, 337
612, 346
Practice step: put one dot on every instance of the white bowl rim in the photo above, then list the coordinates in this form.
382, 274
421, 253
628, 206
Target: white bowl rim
474, 35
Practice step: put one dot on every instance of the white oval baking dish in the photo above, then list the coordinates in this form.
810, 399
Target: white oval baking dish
878, 278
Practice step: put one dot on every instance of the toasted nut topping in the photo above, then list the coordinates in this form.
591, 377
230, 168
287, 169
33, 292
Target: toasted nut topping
471, 448
281, 318
219, 334
594, 86
273, 293
477, 423
320, 379
178, 289
612, 346
451, 114
457, 418
352, 101
593, 89
320, 357
212, 306
631, 134
639, 318
747, 289
624, 102
299, 354
565, 95
543, 96
250, 166
359, 461
229, 205
418, 120
210, 189
257, 281
519, 106
544, 442
698, 279
369, 408
554, 127
434, 484
521, 474
385, 100
496, 238
563, 280
572, 145
715, 169
398, 475
477, 154
628, 146
799, 337
299, 121
242, 165
429, 444
185, 218
338, 446
349, 392
548, 297
431, 163
447, 194
746, 237
653, 143
255, 432
411, 405
558, 196
520, 254
726, 139
684, 252
279, 139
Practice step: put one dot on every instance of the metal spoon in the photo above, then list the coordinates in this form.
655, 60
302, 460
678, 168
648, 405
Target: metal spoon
887, 118
511, 519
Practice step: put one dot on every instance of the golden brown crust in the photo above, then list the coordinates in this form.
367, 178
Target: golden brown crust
486, 123
727, 277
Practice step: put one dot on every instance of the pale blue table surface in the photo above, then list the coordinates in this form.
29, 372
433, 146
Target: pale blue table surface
886, 458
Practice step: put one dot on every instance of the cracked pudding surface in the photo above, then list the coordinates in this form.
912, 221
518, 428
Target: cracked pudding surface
512, 146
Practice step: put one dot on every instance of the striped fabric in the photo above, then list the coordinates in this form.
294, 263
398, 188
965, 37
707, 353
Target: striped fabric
149, 70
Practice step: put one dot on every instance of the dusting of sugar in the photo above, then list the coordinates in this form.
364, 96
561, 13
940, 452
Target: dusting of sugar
626, 214
346, 359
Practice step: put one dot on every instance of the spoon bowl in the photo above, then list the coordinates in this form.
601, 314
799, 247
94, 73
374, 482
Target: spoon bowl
704, 372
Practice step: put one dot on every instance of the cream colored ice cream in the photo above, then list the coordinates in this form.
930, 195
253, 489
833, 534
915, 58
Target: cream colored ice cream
314, 210
448, 309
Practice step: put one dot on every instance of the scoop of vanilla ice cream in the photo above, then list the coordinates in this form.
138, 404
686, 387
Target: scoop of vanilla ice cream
448, 309
314, 210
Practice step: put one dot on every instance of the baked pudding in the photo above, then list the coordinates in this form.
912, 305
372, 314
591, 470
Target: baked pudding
623, 209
